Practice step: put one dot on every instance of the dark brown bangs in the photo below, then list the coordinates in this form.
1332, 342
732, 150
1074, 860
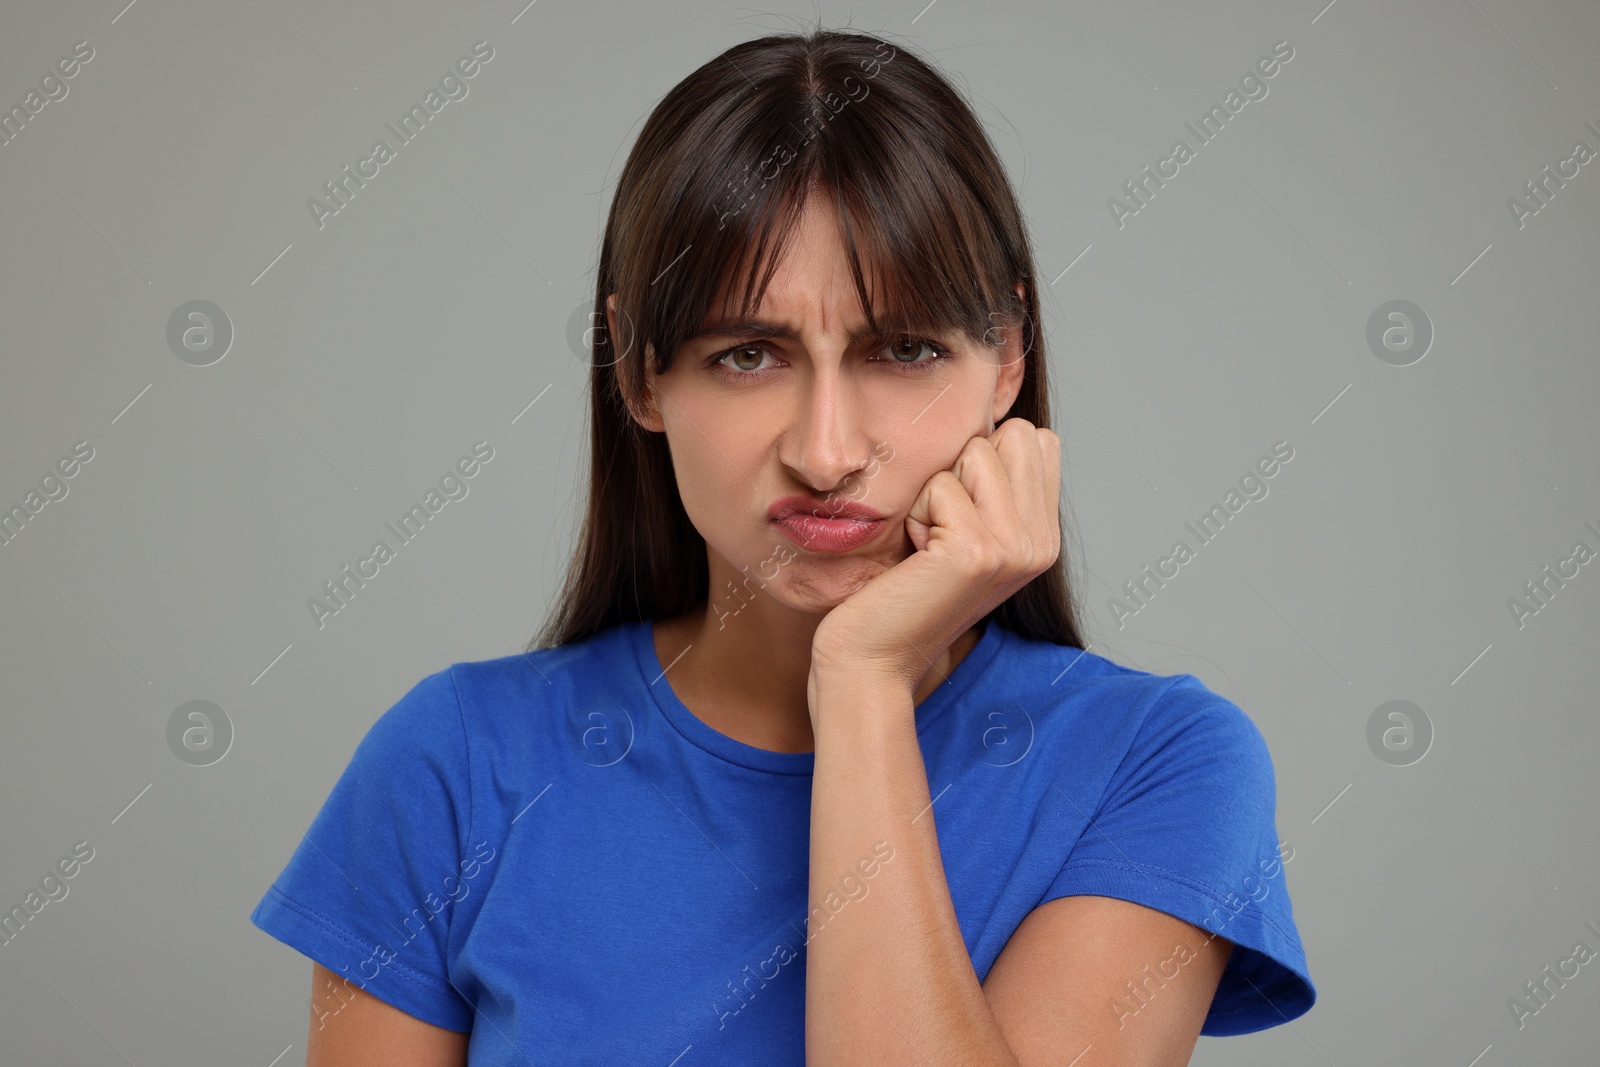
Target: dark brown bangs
912, 190
911, 272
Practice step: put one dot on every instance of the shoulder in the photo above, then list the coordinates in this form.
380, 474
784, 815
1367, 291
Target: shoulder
460, 724
1045, 670
610, 650
507, 694
1131, 715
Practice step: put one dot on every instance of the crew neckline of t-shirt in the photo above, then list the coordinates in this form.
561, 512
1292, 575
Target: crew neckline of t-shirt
961, 680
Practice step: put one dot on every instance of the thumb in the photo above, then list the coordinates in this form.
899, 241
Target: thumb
918, 532
919, 520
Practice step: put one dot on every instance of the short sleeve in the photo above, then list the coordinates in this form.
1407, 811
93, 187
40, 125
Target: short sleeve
1186, 826
368, 890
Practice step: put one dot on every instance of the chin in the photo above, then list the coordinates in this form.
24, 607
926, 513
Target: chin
821, 588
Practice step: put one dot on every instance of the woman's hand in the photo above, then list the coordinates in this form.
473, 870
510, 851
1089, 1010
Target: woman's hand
981, 530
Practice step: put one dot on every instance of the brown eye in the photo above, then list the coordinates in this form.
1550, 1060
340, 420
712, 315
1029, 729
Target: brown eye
907, 349
739, 355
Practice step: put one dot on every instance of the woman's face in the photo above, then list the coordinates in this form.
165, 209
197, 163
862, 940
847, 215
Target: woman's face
799, 407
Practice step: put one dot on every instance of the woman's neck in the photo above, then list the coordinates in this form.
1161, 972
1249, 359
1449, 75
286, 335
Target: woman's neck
745, 676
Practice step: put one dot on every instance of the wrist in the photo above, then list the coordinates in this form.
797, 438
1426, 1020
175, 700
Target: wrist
857, 692
845, 667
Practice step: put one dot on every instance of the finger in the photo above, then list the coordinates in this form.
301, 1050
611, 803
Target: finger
1050, 447
944, 509
1032, 456
1050, 450
1020, 452
983, 474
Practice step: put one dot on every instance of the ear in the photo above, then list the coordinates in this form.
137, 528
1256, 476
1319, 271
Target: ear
1012, 366
648, 415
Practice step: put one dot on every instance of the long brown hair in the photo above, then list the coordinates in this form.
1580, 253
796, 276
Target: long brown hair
714, 185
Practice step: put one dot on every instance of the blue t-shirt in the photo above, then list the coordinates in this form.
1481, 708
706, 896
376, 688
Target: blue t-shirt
549, 850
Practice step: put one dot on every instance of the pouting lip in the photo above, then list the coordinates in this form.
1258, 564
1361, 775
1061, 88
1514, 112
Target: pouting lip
827, 509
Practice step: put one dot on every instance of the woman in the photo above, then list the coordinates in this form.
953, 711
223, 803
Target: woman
811, 764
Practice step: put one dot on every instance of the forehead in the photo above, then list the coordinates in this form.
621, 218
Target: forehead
811, 283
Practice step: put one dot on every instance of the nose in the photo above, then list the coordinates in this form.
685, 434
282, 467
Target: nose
826, 440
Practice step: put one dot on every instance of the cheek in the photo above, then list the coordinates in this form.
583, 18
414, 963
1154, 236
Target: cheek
717, 451
926, 439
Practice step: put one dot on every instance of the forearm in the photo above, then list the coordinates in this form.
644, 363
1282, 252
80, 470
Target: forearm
888, 978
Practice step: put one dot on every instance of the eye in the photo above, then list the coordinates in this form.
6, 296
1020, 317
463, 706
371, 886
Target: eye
904, 353
904, 350
742, 362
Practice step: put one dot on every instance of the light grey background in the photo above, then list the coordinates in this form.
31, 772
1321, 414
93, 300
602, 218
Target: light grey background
1228, 314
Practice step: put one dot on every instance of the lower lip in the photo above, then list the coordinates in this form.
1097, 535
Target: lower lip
828, 535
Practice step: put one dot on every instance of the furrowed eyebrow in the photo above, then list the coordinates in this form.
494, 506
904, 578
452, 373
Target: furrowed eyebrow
779, 330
